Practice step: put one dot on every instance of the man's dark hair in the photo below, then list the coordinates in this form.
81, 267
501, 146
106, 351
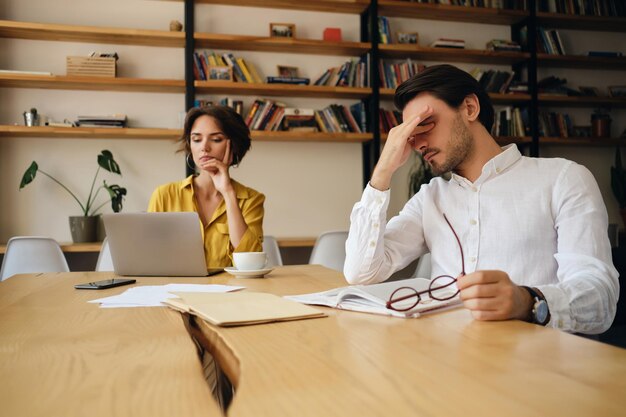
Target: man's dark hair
449, 84
231, 123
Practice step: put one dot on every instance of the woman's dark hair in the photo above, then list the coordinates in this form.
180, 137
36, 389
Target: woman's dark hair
229, 121
449, 84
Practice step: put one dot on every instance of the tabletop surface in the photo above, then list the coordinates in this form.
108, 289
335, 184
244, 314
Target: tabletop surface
61, 356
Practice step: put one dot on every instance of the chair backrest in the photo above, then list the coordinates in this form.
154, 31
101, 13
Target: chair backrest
270, 247
330, 250
105, 261
423, 267
29, 254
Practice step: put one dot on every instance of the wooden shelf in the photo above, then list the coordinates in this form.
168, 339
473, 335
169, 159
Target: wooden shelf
597, 23
280, 90
496, 98
9, 131
485, 15
332, 6
476, 56
283, 45
73, 33
581, 62
575, 101
263, 136
62, 82
88, 132
606, 142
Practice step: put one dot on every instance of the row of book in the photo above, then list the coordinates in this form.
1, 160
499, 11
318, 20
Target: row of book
394, 74
388, 119
510, 121
210, 66
236, 105
493, 4
549, 42
584, 7
270, 115
114, 121
493, 81
553, 124
503, 45
353, 73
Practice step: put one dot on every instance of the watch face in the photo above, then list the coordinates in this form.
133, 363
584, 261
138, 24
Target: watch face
541, 312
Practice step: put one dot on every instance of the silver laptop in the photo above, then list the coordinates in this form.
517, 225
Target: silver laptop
156, 244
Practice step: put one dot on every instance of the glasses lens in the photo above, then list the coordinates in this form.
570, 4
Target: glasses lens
403, 299
443, 288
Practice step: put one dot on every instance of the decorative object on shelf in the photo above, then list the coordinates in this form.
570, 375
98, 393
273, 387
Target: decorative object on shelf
618, 183
589, 91
175, 26
407, 37
617, 90
286, 71
219, 72
84, 228
332, 34
448, 43
283, 30
31, 118
600, 123
95, 65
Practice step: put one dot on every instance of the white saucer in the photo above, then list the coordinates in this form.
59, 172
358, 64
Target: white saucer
252, 273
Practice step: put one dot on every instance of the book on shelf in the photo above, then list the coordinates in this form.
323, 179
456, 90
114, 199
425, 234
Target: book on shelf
353, 73
288, 80
113, 120
448, 43
503, 45
25, 72
373, 298
299, 119
384, 30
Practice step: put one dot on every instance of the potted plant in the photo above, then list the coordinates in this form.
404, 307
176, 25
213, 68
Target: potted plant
83, 227
618, 183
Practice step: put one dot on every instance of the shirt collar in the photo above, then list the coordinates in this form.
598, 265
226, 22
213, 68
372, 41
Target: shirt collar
495, 166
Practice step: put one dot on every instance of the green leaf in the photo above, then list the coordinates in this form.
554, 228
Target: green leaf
117, 194
29, 175
106, 161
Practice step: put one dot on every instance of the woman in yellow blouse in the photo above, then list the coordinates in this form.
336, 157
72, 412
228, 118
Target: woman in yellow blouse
231, 213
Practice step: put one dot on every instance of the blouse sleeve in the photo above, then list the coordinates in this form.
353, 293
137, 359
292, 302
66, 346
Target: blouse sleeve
252, 211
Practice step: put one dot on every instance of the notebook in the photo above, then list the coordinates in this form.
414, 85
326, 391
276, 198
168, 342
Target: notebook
156, 244
241, 308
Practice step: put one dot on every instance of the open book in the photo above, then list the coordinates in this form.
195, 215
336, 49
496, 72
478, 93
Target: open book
373, 298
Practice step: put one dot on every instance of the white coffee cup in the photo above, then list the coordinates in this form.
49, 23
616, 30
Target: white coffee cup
249, 261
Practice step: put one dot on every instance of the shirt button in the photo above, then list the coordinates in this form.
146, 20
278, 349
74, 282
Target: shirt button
497, 170
376, 225
473, 259
474, 189
379, 201
473, 222
372, 244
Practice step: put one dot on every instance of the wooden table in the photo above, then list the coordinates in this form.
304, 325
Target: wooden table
60, 356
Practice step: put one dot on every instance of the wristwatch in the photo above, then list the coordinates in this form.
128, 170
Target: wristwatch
540, 313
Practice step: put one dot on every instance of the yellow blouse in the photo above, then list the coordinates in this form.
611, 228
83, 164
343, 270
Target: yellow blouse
179, 196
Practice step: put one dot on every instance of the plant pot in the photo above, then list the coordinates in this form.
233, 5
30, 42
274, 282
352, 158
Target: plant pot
84, 228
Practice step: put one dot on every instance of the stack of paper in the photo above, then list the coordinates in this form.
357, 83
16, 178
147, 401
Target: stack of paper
241, 308
155, 295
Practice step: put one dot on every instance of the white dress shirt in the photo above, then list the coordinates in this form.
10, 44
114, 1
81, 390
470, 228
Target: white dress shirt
542, 221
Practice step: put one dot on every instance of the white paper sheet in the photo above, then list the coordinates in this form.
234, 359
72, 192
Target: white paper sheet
153, 295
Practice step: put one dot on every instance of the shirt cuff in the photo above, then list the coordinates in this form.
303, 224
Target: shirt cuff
560, 317
377, 199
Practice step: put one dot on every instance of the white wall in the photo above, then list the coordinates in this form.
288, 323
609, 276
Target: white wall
310, 187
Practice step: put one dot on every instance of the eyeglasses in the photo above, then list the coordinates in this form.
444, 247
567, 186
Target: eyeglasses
437, 290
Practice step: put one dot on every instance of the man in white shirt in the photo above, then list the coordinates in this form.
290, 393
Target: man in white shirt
532, 231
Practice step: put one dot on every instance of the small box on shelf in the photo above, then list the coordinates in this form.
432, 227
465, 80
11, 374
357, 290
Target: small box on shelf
91, 66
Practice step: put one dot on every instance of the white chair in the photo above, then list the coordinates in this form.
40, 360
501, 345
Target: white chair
29, 254
105, 262
423, 267
330, 250
270, 247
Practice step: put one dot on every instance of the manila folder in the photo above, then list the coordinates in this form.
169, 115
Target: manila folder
240, 308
